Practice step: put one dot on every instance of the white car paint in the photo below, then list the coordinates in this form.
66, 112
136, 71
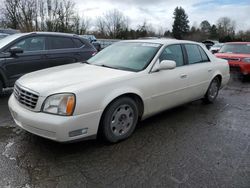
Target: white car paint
95, 87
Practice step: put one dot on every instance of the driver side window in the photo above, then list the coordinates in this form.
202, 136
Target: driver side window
31, 44
174, 53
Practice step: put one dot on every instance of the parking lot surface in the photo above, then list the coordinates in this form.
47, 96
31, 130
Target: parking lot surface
195, 145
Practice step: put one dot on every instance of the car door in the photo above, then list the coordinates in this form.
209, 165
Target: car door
199, 69
168, 87
32, 58
62, 50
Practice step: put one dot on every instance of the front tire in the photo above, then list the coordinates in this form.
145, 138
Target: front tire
213, 91
119, 120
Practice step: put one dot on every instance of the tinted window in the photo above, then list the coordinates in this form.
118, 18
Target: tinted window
31, 44
193, 52
78, 43
203, 55
61, 43
173, 52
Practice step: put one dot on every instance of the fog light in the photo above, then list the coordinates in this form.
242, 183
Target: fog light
78, 132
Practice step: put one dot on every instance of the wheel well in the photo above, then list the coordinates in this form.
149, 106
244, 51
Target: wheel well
133, 96
219, 77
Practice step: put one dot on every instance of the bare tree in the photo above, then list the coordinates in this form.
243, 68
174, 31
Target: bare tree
112, 24
84, 24
10, 13
101, 26
226, 27
115, 22
27, 15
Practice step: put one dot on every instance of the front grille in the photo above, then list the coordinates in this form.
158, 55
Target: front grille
25, 97
232, 59
235, 69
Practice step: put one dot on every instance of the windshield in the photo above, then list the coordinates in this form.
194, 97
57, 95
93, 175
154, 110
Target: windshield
132, 56
236, 48
8, 39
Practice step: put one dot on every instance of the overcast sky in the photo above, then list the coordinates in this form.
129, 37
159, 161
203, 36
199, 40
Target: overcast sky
159, 13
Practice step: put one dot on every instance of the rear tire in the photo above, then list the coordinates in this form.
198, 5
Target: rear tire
213, 91
119, 120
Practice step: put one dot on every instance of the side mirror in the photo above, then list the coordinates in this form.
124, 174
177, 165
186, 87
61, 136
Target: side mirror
167, 64
15, 50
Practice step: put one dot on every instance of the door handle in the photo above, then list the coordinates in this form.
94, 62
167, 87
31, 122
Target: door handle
210, 70
183, 76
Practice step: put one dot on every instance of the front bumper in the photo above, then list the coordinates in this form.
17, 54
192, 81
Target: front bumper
53, 127
243, 68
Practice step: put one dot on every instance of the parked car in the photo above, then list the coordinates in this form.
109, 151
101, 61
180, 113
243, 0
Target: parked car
92, 39
238, 56
215, 48
124, 83
3, 35
9, 31
210, 43
28, 52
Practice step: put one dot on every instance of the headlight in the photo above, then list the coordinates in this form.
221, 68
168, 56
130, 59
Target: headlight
60, 104
246, 60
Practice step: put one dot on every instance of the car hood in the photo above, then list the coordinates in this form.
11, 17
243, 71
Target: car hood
59, 79
231, 56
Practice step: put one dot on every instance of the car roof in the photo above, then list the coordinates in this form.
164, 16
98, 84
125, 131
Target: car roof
163, 41
52, 34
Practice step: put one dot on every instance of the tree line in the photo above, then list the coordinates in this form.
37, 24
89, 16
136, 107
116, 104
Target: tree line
60, 16
224, 30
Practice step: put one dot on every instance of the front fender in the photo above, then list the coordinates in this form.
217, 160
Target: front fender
119, 92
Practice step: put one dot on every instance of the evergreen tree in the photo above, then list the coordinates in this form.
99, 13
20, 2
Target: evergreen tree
180, 26
214, 32
205, 27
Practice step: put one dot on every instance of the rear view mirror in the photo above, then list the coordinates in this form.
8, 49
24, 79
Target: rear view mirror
15, 50
167, 64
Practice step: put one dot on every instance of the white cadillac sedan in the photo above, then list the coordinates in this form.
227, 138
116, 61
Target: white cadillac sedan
107, 95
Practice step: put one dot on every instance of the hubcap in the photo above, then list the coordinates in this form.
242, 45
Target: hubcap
213, 90
122, 119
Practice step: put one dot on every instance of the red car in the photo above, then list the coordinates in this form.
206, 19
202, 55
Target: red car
238, 56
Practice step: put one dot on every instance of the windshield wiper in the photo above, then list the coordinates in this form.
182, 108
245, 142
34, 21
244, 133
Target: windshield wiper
107, 66
86, 62
118, 68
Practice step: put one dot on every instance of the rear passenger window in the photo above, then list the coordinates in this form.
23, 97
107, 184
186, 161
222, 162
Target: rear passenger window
195, 54
174, 53
78, 43
61, 43
204, 55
